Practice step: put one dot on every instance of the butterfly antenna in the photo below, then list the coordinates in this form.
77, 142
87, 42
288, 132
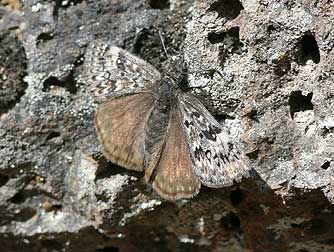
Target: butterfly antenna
163, 45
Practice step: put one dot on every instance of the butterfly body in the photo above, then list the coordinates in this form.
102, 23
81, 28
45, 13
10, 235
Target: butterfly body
145, 122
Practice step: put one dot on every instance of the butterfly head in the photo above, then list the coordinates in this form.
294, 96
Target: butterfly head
176, 71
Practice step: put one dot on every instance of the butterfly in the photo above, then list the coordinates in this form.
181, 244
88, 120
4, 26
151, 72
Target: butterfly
145, 122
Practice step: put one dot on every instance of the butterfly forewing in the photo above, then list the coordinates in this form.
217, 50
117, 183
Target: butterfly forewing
170, 169
111, 71
217, 160
120, 125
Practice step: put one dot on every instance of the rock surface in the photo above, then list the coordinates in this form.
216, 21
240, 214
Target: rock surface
264, 68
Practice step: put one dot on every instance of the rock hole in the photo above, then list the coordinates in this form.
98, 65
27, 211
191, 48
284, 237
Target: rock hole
216, 38
289, 4
18, 198
52, 134
25, 214
147, 43
271, 29
296, 225
308, 50
228, 9
159, 4
52, 244
3, 179
224, 117
68, 83
106, 169
231, 221
13, 64
230, 40
299, 102
230, 37
252, 114
79, 60
49, 207
42, 38
326, 165
324, 131
63, 4
318, 227
282, 66
236, 196
253, 155
142, 39
108, 249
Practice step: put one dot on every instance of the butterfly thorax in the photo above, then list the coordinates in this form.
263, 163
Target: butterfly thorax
168, 90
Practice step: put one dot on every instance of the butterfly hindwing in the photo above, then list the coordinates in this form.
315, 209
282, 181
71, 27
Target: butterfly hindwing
111, 71
170, 169
217, 160
120, 125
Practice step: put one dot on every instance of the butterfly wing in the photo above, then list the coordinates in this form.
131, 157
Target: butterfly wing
217, 160
110, 71
120, 125
170, 169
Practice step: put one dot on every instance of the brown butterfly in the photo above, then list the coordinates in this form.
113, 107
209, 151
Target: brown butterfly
146, 123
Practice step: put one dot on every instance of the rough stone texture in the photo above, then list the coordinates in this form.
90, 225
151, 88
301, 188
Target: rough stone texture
264, 68
273, 63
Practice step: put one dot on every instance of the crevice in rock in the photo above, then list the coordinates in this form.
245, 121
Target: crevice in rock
282, 66
25, 214
31, 191
228, 9
68, 83
106, 169
49, 207
141, 39
108, 249
42, 38
18, 198
146, 43
253, 155
52, 244
52, 134
236, 196
229, 37
231, 221
79, 60
224, 117
159, 4
3, 179
307, 49
289, 4
253, 115
17, 213
324, 131
216, 37
13, 64
63, 4
230, 40
271, 29
299, 102
317, 226
326, 165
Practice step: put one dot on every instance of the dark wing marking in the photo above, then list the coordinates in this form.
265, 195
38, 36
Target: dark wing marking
217, 160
